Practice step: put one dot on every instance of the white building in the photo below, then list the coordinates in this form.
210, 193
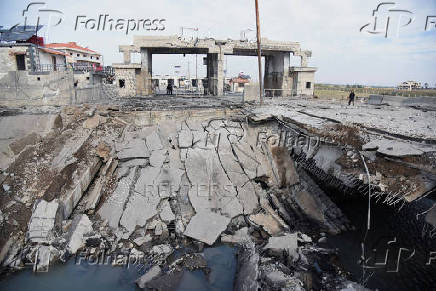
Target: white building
78, 55
410, 85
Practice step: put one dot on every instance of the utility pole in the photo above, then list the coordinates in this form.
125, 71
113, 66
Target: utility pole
259, 53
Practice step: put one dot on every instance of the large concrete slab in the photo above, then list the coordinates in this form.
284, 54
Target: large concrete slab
206, 226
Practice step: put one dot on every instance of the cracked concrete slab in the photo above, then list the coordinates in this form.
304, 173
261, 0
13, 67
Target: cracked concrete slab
133, 149
113, 207
206, 226
80, 226
42, 223
394, 148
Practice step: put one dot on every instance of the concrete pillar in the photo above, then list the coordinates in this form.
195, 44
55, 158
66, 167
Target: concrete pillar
303, 60
126, 57
215, 73
277, 75
144, 78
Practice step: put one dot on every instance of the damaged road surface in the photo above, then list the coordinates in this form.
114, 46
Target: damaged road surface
177, 193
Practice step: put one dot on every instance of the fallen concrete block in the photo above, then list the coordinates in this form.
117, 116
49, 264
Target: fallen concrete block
148, 276
72, 197
393, 148
80, 226
166, 213
287, 242
206, 226
135, 149
241, 236
46, 217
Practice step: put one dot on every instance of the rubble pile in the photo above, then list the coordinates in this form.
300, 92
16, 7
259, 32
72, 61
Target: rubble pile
151, 185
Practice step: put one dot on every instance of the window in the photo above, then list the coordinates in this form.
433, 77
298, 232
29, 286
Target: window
91, 57
122, 83
97, 58
241, 85
308, 85
38, 78
71, 54
84, 55
53, 59
78, 55
21, 63
87, 78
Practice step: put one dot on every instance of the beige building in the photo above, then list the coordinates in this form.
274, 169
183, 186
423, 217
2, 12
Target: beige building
30, 57
77, 54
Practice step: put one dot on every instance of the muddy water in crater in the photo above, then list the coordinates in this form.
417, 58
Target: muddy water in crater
387, 224
221, 260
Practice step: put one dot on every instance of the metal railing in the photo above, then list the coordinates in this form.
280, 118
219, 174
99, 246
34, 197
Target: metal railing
108, 70
50, 67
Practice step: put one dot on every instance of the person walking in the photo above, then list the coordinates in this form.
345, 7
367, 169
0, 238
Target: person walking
170, 89
351, 98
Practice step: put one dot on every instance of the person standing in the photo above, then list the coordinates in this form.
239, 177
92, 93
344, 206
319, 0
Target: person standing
351, 98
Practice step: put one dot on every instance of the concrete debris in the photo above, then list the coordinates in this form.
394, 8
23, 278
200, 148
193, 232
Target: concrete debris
162, 251
288, 242
42, 258
352, 286
166, 214
46, 217
148, 276
269, 224
103, 151
154, 142
142, 240
113, 208
185, 139
72, 196
81, 225
161, 230
278, 280
133, 149
94, 122
185, 180
206, 226
304, 238
211, 187
394, 148
241, 236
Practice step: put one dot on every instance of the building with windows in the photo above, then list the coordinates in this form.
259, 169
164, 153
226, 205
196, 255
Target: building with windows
410, 85
237, 84
78, 55
22, 50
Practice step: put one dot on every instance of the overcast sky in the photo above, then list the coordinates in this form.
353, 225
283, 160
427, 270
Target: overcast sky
330, 28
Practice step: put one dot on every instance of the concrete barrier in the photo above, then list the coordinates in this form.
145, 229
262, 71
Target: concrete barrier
251, 93
20, 88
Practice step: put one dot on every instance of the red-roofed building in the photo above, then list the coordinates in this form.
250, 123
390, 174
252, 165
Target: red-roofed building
78, 55
237, 84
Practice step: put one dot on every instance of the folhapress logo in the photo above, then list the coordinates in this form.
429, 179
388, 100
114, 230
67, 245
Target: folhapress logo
105, 23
